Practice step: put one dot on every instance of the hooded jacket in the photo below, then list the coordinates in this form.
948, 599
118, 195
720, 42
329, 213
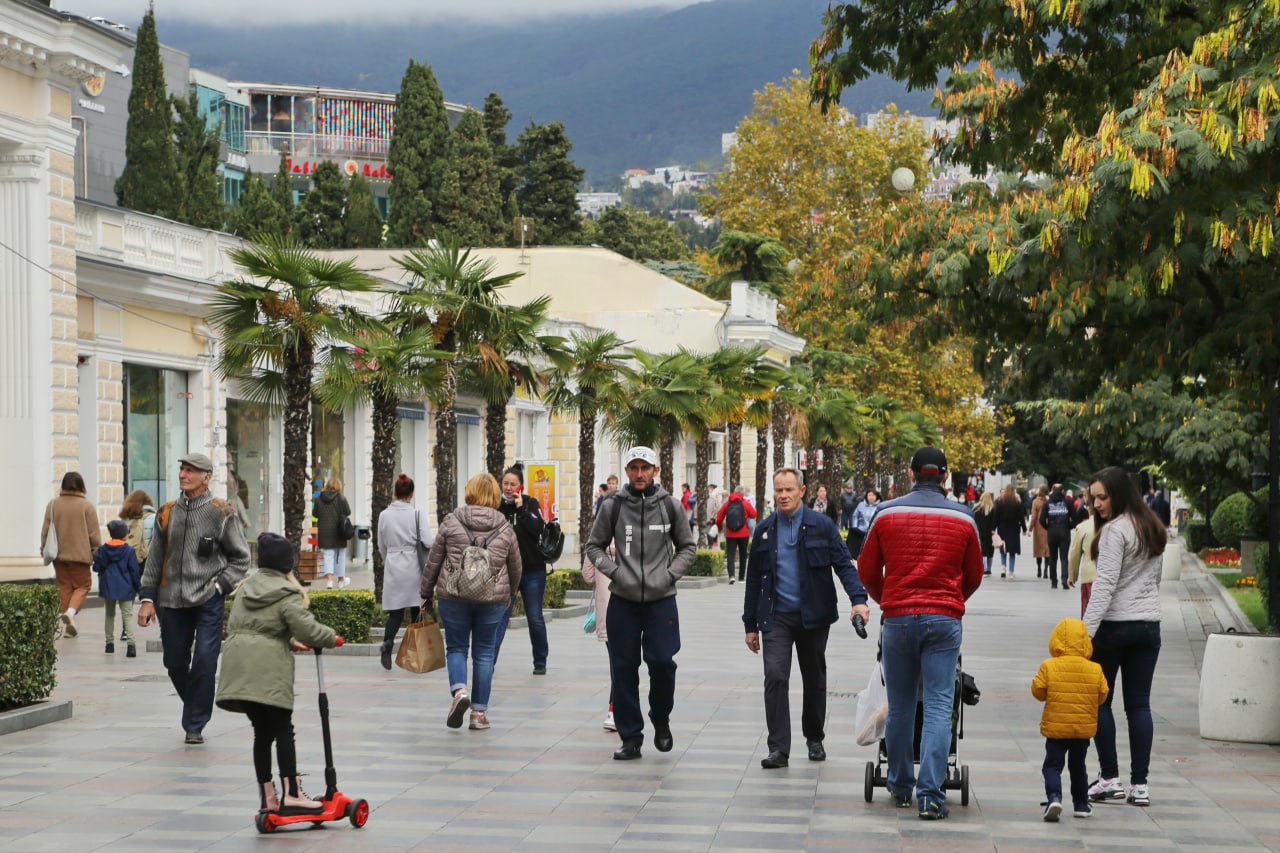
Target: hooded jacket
1056, 517
119, 574
257, 665
451, 542
655, 547
1069, 684
748, 513
331, 508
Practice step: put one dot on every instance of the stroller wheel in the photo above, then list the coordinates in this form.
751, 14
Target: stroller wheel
964, 785
869, 783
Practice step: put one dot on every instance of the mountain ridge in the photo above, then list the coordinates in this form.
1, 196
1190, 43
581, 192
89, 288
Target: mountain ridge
634, 89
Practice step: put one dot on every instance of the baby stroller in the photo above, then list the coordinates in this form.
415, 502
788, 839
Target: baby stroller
966, 693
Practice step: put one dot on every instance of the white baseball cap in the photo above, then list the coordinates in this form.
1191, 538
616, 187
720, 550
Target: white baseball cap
644, 454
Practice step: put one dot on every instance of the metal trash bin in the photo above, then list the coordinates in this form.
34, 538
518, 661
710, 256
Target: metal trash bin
360, 544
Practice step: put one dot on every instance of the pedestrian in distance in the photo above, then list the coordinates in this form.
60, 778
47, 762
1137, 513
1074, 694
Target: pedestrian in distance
198, 555
985, 517
1056, 519
1011, 523
689, 500
1040, 533
600, 597
921, 562
848, 505
332, 510
654, 550
1071, 686
119, 581
826, 506
790, 603
75, 523
861, 522
735, 518
474, 570
1080, 565
404, 538
525, 517
1123, 619
269, 613
139, 512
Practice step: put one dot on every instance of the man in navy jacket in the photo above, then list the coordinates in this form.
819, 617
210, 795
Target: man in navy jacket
791, 599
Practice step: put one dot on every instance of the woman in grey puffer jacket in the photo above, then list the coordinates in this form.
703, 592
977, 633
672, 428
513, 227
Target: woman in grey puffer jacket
472, 624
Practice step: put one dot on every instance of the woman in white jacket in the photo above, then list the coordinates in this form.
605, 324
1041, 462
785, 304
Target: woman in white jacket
1123, 617
404, 538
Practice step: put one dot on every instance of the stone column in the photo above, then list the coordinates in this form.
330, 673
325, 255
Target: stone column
26, 428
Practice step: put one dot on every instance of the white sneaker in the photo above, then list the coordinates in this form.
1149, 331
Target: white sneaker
346, 582
68, 623
1106, 789
1138, 796
609, 725
329, 585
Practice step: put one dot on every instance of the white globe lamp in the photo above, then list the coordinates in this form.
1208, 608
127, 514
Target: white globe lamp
903, 179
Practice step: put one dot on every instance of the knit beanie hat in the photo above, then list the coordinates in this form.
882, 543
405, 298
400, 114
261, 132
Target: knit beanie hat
275, 552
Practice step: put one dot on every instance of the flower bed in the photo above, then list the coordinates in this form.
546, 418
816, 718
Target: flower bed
1220, 558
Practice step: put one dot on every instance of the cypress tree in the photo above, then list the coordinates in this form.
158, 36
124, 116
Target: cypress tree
476, 217
418, 159
361, 223
282, 192
258, 214
196, 145
549, 184
320, 214
496, 118
149, 182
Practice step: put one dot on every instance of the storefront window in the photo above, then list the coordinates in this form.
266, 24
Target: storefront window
155, 429
248, 469
411, 414
328, 448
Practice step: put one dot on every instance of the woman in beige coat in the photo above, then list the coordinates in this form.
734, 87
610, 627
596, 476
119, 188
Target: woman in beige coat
75, 523
1080, 565
472, 619
1039, 535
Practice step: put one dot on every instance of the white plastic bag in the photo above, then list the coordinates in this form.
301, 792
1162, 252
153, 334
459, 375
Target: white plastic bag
873, 709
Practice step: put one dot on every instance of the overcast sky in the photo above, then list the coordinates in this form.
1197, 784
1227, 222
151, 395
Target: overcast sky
250, 12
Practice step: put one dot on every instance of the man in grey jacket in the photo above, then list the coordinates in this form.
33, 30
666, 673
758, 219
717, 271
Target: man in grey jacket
654, 549
198, 555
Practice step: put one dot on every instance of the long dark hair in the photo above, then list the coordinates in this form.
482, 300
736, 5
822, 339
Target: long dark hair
1125, 500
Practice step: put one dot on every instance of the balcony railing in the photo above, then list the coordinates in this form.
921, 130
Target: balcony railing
152, 243
316, 145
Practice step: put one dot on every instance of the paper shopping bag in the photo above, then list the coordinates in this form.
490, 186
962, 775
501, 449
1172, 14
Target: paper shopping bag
421, 648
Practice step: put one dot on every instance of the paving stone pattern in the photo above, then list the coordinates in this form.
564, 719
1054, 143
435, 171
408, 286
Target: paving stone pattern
117, 776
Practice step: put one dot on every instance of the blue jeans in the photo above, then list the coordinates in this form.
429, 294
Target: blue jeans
192, 640
1007, 560
1131, 648
473, 627
533, 587
1070, 752
919, 658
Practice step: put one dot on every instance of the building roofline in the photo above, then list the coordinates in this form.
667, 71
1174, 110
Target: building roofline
326, 91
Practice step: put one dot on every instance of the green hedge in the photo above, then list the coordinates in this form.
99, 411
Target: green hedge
27, 654
707, 563
1229, 519
575, 579
1197, 536
1260, 558
350, 612
558, 583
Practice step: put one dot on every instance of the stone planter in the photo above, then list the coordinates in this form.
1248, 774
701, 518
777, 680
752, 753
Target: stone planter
1240, 688
1248, 543
1172, 568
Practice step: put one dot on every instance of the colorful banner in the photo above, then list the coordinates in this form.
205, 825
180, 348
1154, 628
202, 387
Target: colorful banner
541, 481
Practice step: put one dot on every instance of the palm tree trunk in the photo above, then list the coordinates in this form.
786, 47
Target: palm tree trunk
667, 460
762, 466
734, 476
445, 453
586, 473
811, 472
495, 439
297, 442
780, 418
386, 452
702, 473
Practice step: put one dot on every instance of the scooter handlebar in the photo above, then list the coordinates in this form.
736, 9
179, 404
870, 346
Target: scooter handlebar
338, 642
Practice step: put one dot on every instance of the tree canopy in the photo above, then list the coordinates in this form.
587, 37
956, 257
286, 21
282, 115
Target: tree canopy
418, 158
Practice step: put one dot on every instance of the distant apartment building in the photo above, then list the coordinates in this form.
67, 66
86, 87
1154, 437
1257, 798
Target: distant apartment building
678, 179
591, 205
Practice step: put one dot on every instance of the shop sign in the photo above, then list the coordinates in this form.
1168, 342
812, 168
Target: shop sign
350, 167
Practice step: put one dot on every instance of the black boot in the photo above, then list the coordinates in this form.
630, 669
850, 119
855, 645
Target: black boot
386, 655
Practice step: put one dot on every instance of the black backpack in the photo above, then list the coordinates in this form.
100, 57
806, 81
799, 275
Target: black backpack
735, 517
551, 542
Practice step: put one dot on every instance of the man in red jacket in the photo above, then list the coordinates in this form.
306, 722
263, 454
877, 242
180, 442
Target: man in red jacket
735, 537
921, 561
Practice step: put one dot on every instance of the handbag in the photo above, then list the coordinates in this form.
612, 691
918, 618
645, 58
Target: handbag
873, 709
348, 529
49, 552
589, 624
422, 647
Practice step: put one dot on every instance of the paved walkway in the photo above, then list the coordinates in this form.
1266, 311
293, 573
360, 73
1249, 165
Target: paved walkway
117, 776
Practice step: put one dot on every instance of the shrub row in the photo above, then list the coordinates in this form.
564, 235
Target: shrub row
707, 563
27, 654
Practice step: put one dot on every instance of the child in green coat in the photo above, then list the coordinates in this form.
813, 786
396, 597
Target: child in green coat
257, 668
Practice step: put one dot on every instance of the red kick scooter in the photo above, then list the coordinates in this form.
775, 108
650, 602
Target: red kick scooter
337, 805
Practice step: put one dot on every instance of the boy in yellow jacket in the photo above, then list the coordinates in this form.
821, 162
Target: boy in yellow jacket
1071, 687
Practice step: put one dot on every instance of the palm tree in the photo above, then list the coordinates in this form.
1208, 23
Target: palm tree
456, 296
504, 359
589, 385
749, 379
759, 414
274, 324
383, 368
824, 419
754, 258
664, 395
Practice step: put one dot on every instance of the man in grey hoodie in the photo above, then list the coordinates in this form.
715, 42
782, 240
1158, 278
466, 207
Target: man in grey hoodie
198, 554
654, 549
